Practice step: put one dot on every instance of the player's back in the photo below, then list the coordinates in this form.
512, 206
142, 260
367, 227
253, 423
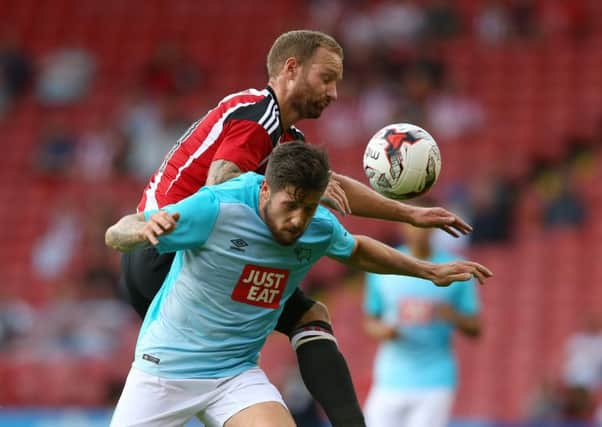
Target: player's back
243, 128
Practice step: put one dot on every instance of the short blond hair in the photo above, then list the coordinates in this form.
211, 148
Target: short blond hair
301, 45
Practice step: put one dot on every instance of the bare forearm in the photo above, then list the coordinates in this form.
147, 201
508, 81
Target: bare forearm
376, 257
377, 329
368, 203
221, 171
126, 235
468, 325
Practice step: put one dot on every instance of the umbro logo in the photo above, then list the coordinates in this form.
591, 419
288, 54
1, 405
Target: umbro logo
238, 245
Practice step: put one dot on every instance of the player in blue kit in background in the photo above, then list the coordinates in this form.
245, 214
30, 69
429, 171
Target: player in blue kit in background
415, 371
242, 248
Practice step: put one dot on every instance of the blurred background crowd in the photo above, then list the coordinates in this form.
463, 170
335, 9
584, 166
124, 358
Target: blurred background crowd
93, 95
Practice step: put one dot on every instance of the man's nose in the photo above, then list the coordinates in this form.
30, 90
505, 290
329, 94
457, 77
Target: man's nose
332, 92
296, 219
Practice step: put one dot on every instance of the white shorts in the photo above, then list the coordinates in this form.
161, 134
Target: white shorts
412, 408
148, 400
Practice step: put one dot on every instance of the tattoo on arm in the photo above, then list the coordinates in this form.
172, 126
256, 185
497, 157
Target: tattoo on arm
126, 235
221, 171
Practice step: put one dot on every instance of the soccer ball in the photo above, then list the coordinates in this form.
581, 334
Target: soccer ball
402, 161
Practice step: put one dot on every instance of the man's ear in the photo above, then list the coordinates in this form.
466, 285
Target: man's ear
291, 67
264, 191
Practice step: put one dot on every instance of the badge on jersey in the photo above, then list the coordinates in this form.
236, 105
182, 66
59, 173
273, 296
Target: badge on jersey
260, 286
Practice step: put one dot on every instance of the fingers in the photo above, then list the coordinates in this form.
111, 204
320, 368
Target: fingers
479, 272
461, 225
456, 226
335, 197
159, 224
449, 230
464, 270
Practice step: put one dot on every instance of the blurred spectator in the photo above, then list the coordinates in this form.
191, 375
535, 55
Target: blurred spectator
16, 321
152, 138
492, 23
377, 102
545, 406
583, 355
98, 151
398, 23
428, 60
560, 202
169, 72
442, 20
523, 13
55, 248
65, 76
452, 113
491, 203
56, 149
15, 71
417, 89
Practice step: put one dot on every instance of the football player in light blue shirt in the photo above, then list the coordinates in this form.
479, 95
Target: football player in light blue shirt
415, 368
242, 247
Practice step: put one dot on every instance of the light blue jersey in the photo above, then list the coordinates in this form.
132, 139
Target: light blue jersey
423, 356
228, 282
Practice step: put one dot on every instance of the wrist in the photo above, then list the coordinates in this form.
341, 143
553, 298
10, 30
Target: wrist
427, 270
406, 213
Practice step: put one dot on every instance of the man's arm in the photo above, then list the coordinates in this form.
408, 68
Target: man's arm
364, 201
376, 257
469, 325
221, 171
378, 329
134, 232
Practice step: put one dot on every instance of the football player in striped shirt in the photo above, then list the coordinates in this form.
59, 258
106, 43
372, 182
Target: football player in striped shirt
237, 136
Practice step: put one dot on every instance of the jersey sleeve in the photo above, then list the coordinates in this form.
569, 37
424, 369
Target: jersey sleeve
466, 298
373, 303
342, 242
198, 214
245, 143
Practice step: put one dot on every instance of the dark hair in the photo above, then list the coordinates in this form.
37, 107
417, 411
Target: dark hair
299, 44
299, 165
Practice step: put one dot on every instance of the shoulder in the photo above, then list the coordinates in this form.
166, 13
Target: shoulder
324, 220
260, 108
243, 188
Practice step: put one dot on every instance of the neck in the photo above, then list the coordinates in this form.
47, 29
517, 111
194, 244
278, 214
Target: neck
288, 114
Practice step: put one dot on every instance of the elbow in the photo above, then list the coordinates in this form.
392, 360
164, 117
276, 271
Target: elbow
110, 238
474, 332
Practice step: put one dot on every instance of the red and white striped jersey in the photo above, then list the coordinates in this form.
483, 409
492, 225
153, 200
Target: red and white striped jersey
243, 128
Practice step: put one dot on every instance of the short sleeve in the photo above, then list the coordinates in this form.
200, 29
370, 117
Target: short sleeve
245, 143
466, 298
373, 303
198, 214
342, 242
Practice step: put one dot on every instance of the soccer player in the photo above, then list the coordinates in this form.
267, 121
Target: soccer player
242, 247
415, 369
237, 136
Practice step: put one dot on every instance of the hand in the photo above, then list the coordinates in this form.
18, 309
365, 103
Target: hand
380, 330
459, 271
334, 197
159, 224
440, 218
444, 312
